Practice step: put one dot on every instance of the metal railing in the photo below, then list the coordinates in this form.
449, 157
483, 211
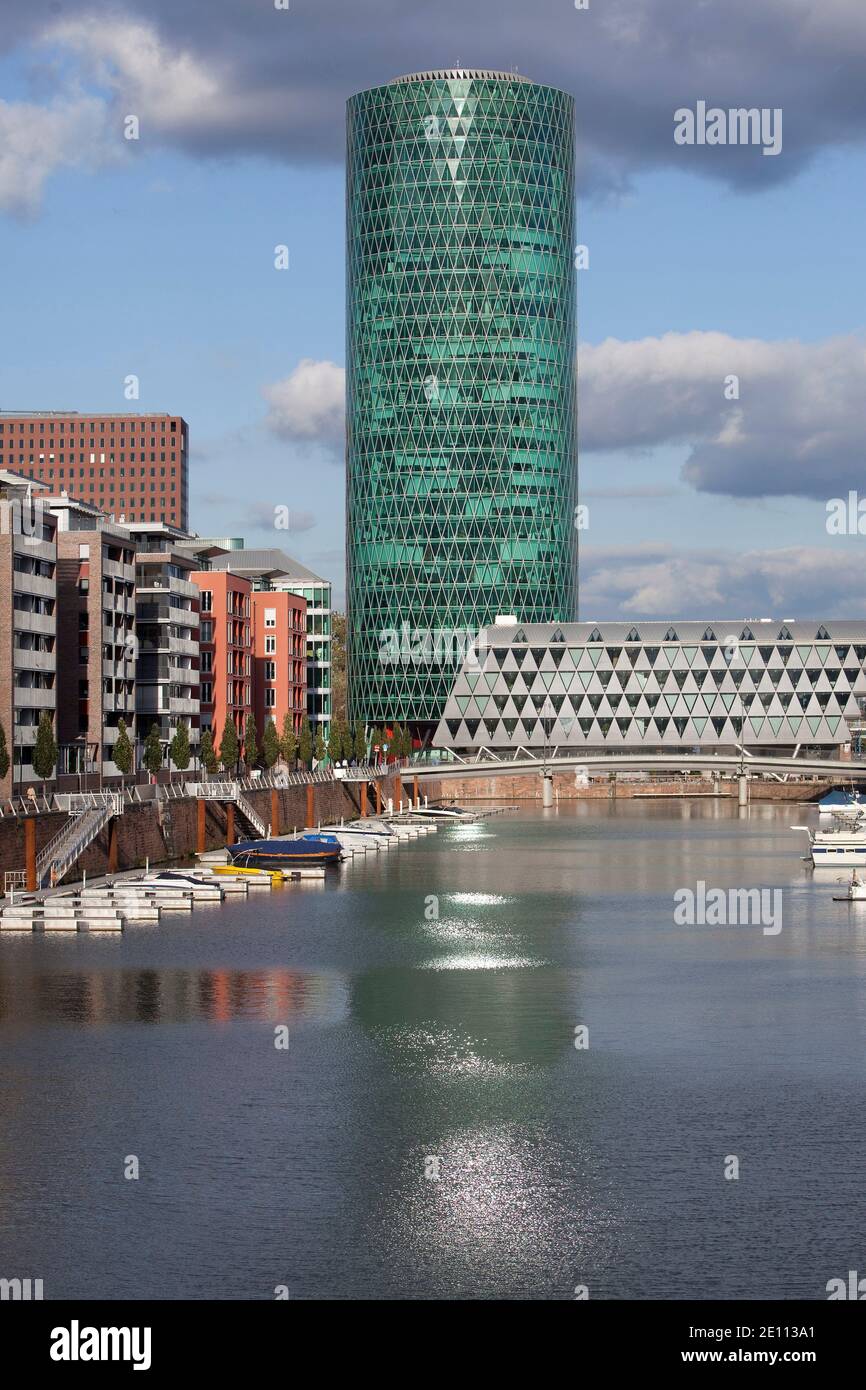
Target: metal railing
250, 813
42, 804
26, 806
70, 843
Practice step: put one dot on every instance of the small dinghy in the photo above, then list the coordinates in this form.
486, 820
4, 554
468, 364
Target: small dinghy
856, 891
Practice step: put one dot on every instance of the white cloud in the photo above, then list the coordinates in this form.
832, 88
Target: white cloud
308, 404
166, 86
798, 427
659, 581
35, 141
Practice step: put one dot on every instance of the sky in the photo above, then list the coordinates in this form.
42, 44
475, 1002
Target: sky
155, 257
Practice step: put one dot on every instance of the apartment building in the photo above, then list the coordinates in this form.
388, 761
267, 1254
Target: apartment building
279, 658
167, 623
28, 623
96, 670
275, 571
134, 467
226, 651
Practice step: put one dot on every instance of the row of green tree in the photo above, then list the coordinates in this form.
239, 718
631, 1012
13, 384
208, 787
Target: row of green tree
44, 749
344, 743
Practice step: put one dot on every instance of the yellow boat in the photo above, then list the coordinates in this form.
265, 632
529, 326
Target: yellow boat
275, 875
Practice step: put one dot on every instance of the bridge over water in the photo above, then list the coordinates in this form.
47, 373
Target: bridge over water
490, 765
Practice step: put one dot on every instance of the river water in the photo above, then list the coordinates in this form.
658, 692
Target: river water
431, 1130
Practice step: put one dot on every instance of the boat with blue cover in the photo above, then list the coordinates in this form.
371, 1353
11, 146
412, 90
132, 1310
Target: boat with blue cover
283, 853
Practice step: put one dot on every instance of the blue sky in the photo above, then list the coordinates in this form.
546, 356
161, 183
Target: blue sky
155, 257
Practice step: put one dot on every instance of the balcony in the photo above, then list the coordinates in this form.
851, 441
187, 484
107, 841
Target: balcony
25, 660
118, 670
27, 697
34, 622
34, 549
179, 705
33, 584
156, 584
181, 675
114, 569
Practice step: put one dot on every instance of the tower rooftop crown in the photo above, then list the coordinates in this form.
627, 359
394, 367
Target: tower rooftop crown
450, 73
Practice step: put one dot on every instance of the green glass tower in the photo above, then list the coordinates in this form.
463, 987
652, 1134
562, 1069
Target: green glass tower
461, 455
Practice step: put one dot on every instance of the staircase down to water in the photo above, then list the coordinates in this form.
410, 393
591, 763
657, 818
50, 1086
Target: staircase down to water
87, 819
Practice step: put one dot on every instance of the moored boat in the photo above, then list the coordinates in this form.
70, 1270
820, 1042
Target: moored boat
248, 871
841, 848
856, 891
282, 853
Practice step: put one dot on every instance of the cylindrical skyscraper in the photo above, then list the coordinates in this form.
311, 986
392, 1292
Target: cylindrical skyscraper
461, 431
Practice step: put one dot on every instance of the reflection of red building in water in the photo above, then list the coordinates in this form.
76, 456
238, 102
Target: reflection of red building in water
170, 996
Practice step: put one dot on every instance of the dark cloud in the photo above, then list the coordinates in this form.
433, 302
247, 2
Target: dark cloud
235, 77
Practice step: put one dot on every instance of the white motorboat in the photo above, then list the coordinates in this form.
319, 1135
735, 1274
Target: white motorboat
849, 812
453, 813
353, 837
841, 848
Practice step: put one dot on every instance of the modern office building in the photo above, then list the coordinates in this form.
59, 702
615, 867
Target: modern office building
656, 686
207, 545
132, 466
28, 623
226, 651
461, 455
279, 659
167, 634
275, 571
96, 643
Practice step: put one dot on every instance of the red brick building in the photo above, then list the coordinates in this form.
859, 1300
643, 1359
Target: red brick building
279, 658
133, 467
225, 643
96, 646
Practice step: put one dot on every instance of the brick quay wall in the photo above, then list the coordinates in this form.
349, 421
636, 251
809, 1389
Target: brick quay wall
168, 829
528, 787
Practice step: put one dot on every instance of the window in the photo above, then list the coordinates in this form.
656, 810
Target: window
270, 617
270, 645
270, 698
270, 670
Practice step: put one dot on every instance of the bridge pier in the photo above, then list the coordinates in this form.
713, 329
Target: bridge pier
311, 805
230, 823
200, 823
275, 811
742, 790
363, 799
378, 797
547, 790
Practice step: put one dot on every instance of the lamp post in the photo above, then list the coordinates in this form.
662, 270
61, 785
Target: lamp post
547, 779
732, 651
